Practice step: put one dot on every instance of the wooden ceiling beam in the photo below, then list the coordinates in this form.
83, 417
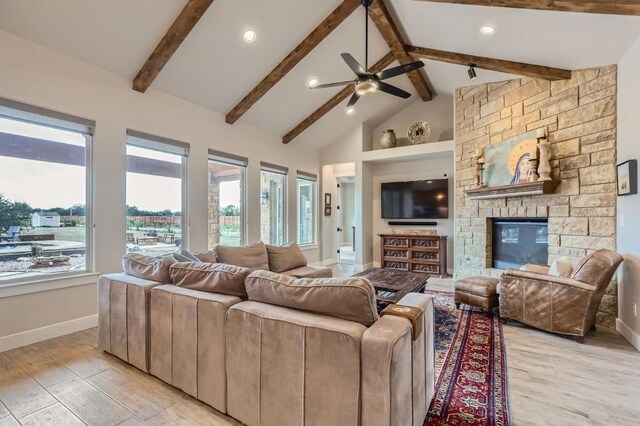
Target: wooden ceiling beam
607, 7
334, 101
346, 8
177, 33
510, 67
381, 17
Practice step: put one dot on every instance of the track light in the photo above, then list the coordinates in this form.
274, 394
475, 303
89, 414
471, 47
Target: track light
472, 72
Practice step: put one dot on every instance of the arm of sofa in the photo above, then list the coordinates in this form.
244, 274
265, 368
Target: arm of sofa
398, 372
544, 301
123, 311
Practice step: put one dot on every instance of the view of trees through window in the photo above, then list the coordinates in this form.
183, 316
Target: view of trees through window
226, 194
306, 211
273, 187
42, 199
154, 201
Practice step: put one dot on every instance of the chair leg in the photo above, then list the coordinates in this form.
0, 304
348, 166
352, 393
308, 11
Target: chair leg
579, 339
594, 328
457, 305
504, 320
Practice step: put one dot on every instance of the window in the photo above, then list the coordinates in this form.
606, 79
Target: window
155, 194
227, 190
307, 207
273, 197
44, 181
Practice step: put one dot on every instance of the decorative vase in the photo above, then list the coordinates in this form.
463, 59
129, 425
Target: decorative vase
388, 139
544, 168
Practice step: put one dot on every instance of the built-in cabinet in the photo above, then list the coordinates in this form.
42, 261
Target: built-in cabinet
414, 253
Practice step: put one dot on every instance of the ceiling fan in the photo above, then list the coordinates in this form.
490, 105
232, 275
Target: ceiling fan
367, 83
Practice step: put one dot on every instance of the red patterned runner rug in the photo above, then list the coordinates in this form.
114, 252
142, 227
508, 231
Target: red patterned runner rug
471, 388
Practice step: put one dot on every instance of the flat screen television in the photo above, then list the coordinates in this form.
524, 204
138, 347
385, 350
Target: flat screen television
421, 199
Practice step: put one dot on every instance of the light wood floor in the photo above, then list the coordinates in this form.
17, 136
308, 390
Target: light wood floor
552, 381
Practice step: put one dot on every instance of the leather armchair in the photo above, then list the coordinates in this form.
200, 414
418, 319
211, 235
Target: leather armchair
559, 305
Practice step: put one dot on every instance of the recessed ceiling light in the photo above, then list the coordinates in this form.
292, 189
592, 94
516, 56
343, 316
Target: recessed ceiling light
249, 36
487, 30
312, 83
350, 111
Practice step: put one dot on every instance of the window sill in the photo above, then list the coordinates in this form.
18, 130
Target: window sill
29, 285
307, 247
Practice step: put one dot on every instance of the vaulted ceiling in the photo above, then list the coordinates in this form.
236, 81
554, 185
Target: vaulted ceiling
215, 68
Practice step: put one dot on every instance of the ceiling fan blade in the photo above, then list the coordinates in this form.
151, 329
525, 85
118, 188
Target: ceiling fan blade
338, 83
353, 64
353, 100
401, 69
393, 90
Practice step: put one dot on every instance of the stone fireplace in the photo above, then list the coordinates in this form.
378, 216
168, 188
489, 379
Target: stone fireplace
515, 242
579, 117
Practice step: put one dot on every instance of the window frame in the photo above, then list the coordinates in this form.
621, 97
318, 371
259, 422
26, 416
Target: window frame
284, 171
33, 283
174, 147
243, 164
313, 180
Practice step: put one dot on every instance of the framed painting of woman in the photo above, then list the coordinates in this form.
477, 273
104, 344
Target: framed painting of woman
508, 162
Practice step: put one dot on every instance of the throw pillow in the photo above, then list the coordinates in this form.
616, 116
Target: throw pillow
210, 277
146, 267
352, 299
207, 257
252, 257
561, 267
185, 256
285, 258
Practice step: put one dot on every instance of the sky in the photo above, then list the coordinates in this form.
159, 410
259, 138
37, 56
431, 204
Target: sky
47, 185
37, 183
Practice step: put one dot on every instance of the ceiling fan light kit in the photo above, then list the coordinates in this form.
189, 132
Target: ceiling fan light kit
366, 87
367, 83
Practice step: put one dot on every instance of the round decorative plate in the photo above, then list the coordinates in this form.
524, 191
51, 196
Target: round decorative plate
419, 132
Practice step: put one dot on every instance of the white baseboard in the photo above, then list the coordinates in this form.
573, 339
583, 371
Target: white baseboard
628, 333
36, 335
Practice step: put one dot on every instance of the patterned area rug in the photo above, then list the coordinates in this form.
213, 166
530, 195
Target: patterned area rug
471, 387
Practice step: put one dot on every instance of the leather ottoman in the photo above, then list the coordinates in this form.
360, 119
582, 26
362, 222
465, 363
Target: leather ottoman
480, 292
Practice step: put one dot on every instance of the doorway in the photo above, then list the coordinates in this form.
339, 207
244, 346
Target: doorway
346, 219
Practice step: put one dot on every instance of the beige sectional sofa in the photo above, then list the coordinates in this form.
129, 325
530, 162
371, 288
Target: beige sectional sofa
279, 350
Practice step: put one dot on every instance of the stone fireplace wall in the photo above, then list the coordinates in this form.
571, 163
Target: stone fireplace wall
579, 116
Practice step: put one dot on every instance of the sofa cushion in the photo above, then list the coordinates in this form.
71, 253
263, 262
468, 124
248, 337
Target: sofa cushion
561, 267
207, 256
252, 257
351, 299
310, 272
286, 257
210, 277
148, 268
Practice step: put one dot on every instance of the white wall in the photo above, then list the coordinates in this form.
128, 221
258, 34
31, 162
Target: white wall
629, 206
347, 210
436, 168
36, 75
438, 113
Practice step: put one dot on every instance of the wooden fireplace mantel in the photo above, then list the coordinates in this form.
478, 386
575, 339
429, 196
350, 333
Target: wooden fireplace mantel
519, 190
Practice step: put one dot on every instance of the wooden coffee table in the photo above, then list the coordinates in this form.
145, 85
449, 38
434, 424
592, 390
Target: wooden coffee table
392, 285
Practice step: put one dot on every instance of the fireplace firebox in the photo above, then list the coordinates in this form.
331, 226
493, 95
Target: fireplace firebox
519, 241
